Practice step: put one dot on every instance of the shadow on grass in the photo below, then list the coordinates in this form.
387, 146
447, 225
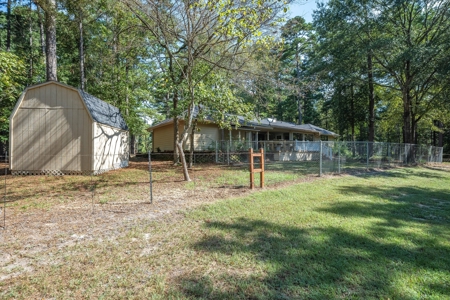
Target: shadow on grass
408, 204
403, 207
321, 263
406, 173
387, 259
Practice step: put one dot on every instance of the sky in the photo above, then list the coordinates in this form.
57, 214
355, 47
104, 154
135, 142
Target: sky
303, 8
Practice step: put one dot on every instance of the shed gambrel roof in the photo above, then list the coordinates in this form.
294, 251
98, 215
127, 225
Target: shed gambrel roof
103, 112
100, 111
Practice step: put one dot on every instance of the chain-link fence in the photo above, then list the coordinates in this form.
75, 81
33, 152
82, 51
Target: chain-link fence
446, 158
3, 189
141, 144
221, 169
321, 157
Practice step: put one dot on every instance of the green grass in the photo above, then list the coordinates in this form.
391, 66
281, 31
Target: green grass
274, 173
375, 236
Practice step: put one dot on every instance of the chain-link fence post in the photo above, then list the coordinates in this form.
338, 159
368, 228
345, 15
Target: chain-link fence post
92, 191
320, 160
4, 197
339, 158
217, 152
406, 156
367, 155
150, 175
228, 153
430, 151
389, 154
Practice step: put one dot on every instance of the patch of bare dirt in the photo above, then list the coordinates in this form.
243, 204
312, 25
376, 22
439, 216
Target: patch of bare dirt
45, 213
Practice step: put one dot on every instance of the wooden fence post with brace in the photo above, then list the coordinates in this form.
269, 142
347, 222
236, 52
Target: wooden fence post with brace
257, 170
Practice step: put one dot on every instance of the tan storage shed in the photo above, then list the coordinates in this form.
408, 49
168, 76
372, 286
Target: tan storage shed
58, 129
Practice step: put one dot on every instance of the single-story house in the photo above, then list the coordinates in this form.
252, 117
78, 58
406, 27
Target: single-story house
275, 135
58, 129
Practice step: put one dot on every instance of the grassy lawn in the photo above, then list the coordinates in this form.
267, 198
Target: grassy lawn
376, 236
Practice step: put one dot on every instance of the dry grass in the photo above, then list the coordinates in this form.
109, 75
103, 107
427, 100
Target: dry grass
81, 237
48, 213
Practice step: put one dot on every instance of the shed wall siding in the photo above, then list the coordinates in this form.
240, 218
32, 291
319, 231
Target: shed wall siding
110, 148
51, 130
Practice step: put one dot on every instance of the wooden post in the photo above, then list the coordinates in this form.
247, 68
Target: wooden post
252, 175
257, 170
261, 178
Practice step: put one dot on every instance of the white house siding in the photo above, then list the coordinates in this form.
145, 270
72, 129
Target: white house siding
110, 148
296, 156
50, 131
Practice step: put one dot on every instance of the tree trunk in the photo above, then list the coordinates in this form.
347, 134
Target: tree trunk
371, 99
300, 111
133, 144
30, 30
407, 133
81, 53
176, 133
352, 117
8, 26
50, 28
42, 36
433, 134
191, 152
183, 160
440, 134
407, 101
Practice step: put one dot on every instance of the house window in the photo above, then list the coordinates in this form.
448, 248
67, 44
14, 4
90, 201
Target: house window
309, 137
298, 136
324, 138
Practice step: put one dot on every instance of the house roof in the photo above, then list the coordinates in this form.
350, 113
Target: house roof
103, 112
321, 130
267, 124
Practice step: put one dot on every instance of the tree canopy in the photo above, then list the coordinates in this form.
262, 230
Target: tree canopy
369, 70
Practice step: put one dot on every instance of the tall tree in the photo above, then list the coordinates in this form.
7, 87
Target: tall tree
297, 37
414, 36
214, 34
345, 30
12, 79
49, 7
82, 13
8, 26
